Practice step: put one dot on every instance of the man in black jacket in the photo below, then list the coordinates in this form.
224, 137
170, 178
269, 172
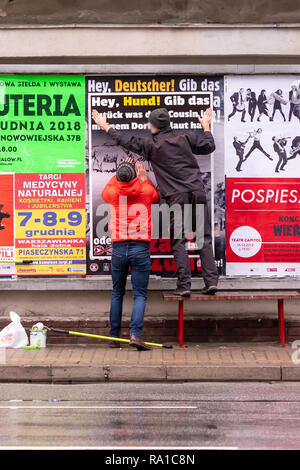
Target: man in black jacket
240, 149
178, 176
252, 102
238, 104
295, 148
279, 148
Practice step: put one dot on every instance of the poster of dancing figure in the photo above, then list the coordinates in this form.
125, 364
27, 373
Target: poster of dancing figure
262, 168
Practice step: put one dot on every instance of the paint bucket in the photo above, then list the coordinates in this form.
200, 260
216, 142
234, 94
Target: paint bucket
38, 336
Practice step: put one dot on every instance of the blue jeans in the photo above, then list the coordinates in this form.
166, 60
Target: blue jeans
136, 256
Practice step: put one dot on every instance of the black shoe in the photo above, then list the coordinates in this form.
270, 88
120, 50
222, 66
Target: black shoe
182, 292
114, 344
211, 290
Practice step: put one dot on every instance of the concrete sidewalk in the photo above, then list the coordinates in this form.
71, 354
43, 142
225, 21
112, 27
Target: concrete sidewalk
209, 362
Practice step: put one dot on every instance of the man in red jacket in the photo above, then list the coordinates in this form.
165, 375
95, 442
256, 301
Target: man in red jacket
130, 195
172, 157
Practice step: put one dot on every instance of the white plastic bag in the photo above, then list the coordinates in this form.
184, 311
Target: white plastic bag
13, 335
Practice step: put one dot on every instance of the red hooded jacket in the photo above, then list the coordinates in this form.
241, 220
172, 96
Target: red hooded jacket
130, 205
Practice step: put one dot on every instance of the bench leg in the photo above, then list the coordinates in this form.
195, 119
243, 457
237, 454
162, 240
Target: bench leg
281, 322
180, 323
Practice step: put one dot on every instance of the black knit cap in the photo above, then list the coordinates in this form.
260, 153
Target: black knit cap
126, 172
160, 118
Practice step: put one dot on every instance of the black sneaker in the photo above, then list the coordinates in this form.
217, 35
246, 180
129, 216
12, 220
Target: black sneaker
114, 344
182, 292
211, 290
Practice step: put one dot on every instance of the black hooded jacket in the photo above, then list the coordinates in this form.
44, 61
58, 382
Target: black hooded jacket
172, 156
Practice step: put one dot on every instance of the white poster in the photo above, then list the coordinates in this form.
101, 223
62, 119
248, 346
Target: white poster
262, 168
262, 122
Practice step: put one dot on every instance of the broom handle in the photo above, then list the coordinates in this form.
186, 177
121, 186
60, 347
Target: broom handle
121, 340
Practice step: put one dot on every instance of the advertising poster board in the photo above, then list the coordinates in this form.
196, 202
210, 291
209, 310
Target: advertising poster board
42, 142
128, 102
50, 223
262, 148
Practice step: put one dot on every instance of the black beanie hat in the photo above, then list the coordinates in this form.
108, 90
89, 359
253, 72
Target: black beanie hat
126, 172
160, 118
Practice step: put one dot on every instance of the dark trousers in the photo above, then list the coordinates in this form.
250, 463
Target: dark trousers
281, 112
234, 110
251, 110
256, 145
294, 155
240, 154
209, 269
281, 162
291, 110
125, 255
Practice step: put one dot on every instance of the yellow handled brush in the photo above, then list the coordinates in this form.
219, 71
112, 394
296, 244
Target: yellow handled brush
121, 340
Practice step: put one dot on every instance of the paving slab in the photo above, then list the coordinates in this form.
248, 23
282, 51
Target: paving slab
204, 362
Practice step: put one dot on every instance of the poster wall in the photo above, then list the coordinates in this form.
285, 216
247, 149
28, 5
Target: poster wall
262, 148
128, 102
55, 162
42, 142
49, 219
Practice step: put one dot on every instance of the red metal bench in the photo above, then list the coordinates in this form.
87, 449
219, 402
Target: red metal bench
280, 296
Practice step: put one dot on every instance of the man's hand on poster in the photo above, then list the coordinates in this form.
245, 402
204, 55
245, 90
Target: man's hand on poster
141, 171
206, 119
100, 120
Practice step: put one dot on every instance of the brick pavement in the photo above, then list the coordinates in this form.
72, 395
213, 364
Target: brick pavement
91, 363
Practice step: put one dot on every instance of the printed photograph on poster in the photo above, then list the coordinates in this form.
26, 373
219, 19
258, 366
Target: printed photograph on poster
262, 125
42, 123
263, 230
50, 223
128, 109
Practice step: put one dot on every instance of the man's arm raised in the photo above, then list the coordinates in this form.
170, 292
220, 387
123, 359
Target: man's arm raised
142, 175
202, 141
135, 144
101, 120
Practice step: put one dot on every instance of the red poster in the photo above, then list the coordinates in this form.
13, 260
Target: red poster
263, 226
50, 224
50, 191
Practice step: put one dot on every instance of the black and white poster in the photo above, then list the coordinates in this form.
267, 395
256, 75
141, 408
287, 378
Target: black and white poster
262, 166
128, 101
262, 126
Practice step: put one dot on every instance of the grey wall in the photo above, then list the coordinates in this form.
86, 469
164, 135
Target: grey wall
154, 11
